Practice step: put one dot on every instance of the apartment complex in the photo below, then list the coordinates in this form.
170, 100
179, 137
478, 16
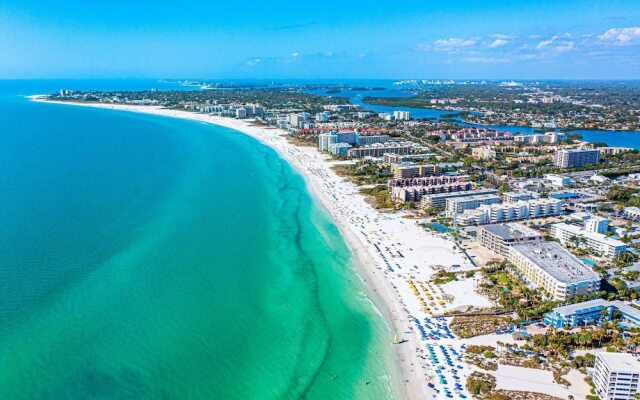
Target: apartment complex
371, 139
415, 193
379, 149
413, 171
616, 376
485, 153
327, 139
549, 137
500, 237
402, 115
513, 197
579, 237
457, 205
614, 150
506, 212
592, 312
552, 269
339, 149
576, 157
632, 213
438, 200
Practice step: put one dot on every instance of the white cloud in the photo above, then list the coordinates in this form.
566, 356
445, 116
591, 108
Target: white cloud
498, 43
254, 61
557, 43
454, 43
547, 42
564, 46
502, 36
295, 54
621, 36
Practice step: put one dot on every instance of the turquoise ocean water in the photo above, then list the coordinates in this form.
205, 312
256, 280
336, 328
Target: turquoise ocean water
151, 258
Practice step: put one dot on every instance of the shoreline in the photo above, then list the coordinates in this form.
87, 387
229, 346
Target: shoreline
386, 288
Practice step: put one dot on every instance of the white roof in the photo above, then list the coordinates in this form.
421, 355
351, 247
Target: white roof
620, 362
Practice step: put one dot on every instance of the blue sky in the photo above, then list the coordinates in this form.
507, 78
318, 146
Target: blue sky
568, 39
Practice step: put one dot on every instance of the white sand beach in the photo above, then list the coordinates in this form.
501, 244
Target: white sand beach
394, 255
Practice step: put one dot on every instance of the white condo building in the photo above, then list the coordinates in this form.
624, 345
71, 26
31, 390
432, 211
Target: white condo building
457, 205
506, 212
616, 376
325, 140
632, 213
580, 237
576, 157
401, 115
552, 269
597, 224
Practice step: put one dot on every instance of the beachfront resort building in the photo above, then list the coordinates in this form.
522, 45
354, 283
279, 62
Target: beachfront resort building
410, 170
500, 237
339, 149
334, 141
616, 376
506, 212
371, 139
327, 139
457, 205
550, 268
426, 181
379, 149
576, 157
406, 190
593, 312
438, 201
578, 236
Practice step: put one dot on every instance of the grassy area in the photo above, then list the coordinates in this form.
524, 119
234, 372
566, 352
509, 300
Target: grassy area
363, 173
441, 277
380, 195
477, 325
301, 141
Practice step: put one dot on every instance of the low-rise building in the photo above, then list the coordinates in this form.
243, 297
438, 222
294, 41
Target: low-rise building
579, 237
339, 149
632, 213
484, 153
616, 376
371, 139
500, 237
457, 205
413, 170
550, 268
614, 150
405, 194
558, 180
592, 312
438, 200
512, 197
506, 212
380, 149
